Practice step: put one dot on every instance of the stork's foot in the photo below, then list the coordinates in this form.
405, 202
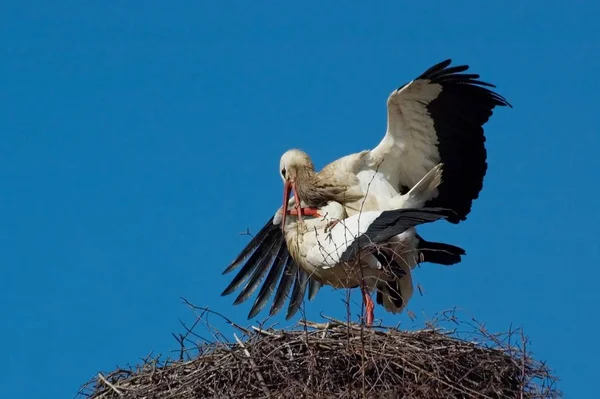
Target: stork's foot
331, 225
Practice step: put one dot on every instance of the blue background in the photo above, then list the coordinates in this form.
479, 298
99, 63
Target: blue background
138, 138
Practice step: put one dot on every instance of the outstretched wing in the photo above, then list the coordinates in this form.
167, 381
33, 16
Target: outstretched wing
439, 117
267, 254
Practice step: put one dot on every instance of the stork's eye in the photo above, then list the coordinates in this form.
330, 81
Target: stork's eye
283, 172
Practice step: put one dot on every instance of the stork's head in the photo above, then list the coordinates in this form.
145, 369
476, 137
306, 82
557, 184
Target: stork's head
292, 164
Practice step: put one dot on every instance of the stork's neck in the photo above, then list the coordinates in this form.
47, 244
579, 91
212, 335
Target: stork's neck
307, 184
306, 176
316, 190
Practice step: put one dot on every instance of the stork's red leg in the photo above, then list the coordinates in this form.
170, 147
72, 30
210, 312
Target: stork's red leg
369, 305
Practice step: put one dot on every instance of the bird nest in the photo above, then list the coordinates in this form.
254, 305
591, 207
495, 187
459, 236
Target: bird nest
336, 359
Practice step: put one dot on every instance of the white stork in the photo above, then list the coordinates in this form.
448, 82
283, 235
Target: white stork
329, 252
373, 250
324, 252
435, 119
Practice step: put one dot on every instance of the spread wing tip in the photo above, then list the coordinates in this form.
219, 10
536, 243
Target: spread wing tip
443, 73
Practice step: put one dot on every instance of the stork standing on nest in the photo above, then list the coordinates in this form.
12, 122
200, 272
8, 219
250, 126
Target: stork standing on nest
373, 250
435, 119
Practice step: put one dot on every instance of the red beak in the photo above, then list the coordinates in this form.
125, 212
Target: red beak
287, 188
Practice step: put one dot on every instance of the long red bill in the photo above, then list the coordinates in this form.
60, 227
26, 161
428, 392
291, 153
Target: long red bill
287, 188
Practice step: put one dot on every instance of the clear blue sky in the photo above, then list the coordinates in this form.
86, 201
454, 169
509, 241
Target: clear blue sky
134, 136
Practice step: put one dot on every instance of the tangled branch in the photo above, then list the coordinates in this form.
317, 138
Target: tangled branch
337, 359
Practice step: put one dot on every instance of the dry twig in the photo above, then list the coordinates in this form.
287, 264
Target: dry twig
111, 386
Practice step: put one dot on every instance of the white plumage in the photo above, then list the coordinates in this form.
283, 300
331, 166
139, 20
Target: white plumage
434, 123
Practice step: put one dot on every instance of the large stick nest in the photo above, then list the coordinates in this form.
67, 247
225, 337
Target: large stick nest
335, 359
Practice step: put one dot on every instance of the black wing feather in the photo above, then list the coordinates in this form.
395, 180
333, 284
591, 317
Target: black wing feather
270, 283
287, 278
255, 260
440, 253
260, 270
254, 243
437, 68
313, 288
297, 297
459, 112
392, 288
391, 223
